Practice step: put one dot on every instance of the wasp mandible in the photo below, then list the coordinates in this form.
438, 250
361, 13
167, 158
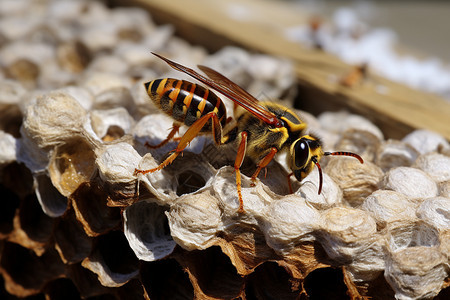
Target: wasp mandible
260, 130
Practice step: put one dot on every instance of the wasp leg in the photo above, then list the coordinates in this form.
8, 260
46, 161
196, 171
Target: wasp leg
190, 134
237, 165
169, 137
263, 163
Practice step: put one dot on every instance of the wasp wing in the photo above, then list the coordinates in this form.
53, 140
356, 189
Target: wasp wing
230, 89
240, 96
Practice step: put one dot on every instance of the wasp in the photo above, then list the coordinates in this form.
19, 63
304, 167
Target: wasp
260, 129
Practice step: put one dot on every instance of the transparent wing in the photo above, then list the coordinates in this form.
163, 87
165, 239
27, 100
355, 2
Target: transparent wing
228, 88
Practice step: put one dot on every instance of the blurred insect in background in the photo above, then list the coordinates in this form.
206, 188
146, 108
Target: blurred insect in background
356, 76
260, 129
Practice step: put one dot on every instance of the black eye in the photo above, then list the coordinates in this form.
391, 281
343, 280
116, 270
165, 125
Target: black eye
301, 155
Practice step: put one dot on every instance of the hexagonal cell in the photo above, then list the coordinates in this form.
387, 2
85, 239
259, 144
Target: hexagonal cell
62, 288
247, 249
425, 141
86, 281
212, 273
436, 165
387, 206
356, 180
90, 204
412, 182
54, 118
17, 178
34, 273
443, 294
71, 241
272, 281
52, 202
147, 231
195, 220
379, 288
71, 165
325, 283
112, 123
435, 211
11, 119
32, 228
166, 279
113, 268
410, 279
405, 234
393, 153
347, 232
133, 289
289, 221
330, 196
10, 203
360, 141
408, 244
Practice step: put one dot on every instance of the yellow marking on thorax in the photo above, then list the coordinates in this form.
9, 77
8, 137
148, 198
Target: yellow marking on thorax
283, 130
295, 127
279, 129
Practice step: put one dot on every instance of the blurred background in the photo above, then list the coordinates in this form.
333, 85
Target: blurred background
420, 25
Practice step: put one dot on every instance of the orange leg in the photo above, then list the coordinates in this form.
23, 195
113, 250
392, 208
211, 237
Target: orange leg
169, 137
237, 165
263, 163
190, 134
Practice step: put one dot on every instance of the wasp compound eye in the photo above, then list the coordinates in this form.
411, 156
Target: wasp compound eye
301, 154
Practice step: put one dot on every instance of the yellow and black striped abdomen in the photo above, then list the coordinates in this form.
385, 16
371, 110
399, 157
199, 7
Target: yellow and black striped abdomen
185, 101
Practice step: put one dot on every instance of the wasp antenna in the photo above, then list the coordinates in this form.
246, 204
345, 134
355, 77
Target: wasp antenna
342, 153
320, 174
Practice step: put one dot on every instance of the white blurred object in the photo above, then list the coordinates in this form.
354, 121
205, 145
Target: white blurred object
349, 38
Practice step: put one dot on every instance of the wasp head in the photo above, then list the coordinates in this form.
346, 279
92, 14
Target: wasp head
307, 152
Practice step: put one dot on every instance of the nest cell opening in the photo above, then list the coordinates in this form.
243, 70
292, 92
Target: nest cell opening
122, 260
10, 202
326, 283
37, 225
215, 274
189, 182
271, 281
166, 279
114, 132
412, 235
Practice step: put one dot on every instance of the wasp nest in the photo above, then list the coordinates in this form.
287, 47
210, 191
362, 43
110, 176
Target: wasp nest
75, 120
